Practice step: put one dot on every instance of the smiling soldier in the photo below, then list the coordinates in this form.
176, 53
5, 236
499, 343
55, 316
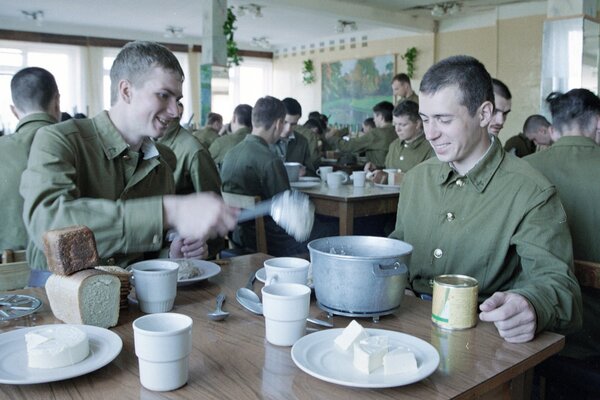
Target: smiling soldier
477, 211
108, 173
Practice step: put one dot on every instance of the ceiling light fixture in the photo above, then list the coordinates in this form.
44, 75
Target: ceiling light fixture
444, 9
253, 9
36, 16
262, 42
344, 26
173, 31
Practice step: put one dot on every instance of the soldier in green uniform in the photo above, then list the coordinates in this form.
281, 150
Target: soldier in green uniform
241, 125
210, 132
36, 103
536, 132
195, 170
296, 143
402, 89
477, 211
410, 148
377, 143
572, 165
108, 174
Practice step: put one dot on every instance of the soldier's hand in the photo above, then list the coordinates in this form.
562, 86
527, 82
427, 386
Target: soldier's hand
188, 248
513, 315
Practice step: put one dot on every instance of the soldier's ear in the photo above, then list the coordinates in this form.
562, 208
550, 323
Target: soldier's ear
125, 90
485, 113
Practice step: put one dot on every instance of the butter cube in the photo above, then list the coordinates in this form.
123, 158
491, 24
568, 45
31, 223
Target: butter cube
400, 360
353, 333
369, 353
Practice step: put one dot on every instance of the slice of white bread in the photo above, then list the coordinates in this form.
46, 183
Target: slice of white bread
88, 297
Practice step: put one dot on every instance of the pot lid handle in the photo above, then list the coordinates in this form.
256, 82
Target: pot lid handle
397, 268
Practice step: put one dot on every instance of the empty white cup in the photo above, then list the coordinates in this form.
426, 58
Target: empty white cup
285, 307
155, 285
335, 179
323, 172
163, 343
293, 170
286, 270
358, 178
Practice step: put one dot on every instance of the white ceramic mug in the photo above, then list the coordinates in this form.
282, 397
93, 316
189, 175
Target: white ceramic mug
163, 343
285, 307
358, 178
286, 270
323, 172
155, 285
335, 179
293, 170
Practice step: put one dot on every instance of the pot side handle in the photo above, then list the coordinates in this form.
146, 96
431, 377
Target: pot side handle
396, 268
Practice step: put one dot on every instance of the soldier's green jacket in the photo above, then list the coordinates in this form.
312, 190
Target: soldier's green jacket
252, 168
375, 144
223, 144
81, 172
195, 170
572, 165
313, 145
502, 224
296, 150
206, 136
413, 97
14, 151
519, 145
404, 156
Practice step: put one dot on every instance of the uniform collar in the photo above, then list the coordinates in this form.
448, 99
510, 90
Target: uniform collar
242, 131
36, 117
575, 140
483, 171
257, 139
113, 143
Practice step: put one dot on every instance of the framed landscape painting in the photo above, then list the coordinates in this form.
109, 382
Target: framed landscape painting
350, 88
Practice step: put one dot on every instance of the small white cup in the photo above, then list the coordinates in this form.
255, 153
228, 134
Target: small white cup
323, 172
155, 285
293, 170
163, 343
285, 307
358, 178
286, 270
335, 179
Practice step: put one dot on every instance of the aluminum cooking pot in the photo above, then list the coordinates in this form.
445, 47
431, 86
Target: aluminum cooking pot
359, 275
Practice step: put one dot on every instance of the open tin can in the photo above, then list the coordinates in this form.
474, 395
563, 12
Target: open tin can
454, 301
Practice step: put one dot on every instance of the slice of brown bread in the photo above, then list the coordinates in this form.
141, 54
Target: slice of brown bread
70, 249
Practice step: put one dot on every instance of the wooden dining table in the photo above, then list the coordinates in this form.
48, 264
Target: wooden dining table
231, 359
349, 202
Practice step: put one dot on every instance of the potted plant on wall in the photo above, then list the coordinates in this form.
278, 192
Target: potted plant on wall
233, 57
308, 72
410, 57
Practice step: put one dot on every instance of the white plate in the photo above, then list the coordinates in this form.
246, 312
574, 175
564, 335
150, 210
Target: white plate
209, 269
105, 346
304, 185
309, 179
261, 276
317, 355
385, 185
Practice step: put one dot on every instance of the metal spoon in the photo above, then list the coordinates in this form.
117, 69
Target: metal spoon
247, 298
218, 314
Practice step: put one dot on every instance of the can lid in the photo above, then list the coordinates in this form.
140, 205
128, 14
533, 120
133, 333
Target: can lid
456, 280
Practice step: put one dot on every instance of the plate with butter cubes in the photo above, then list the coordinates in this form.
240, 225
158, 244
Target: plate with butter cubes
367, 358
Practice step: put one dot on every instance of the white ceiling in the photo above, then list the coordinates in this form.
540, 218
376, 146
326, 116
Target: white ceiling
285, 22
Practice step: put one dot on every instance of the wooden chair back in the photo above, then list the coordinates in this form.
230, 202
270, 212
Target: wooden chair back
588, 273
249, 202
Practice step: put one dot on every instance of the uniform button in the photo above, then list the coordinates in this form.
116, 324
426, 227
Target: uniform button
110, 261
401, 158
405, 145
126, 157
438, 253
450, 216
155, 239
460, 183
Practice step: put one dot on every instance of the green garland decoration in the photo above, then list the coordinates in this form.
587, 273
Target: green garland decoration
308, 72
410, 57
233, 57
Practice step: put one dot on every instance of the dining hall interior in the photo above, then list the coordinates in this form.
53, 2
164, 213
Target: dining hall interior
275, 171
